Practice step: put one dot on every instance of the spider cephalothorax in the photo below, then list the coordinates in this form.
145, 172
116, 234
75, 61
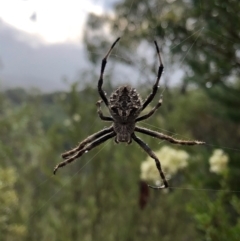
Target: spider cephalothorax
125, 106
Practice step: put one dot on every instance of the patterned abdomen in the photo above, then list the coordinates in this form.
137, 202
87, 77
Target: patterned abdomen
123, 132
125, 104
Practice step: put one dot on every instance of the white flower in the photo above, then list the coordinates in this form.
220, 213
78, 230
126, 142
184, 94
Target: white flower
149, 170
218, 161
76, 117
171, 161
67, 122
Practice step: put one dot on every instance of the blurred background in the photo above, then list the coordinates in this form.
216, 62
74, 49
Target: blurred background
50, 58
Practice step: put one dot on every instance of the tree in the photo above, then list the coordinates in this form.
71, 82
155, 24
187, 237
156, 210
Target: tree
204, 41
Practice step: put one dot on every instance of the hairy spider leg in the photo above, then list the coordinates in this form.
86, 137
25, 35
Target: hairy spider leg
89, 139
155, 86
100, 114
144, 117
147, 149
167, 138
84, 150
96, 139
100, 81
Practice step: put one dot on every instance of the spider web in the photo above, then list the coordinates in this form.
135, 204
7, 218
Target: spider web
172, 76
138, 73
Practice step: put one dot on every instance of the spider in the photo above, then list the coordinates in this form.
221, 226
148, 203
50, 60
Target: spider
125, 106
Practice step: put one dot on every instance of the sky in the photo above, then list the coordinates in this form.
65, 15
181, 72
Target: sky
41, 41
52, 21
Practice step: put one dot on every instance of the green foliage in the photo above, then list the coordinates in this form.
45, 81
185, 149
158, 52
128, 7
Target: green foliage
10, 226
203, 38
97, 196
94, 196
218, 216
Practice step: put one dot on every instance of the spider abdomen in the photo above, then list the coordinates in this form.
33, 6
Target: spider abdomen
123, 132
125, 104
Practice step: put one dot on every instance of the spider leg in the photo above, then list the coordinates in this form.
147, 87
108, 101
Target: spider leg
155, 86
84, 150
166, 137
100, 114
100, 81
89, 139
147, 149
144, 117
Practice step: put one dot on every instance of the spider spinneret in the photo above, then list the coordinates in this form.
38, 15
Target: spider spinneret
125, 106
